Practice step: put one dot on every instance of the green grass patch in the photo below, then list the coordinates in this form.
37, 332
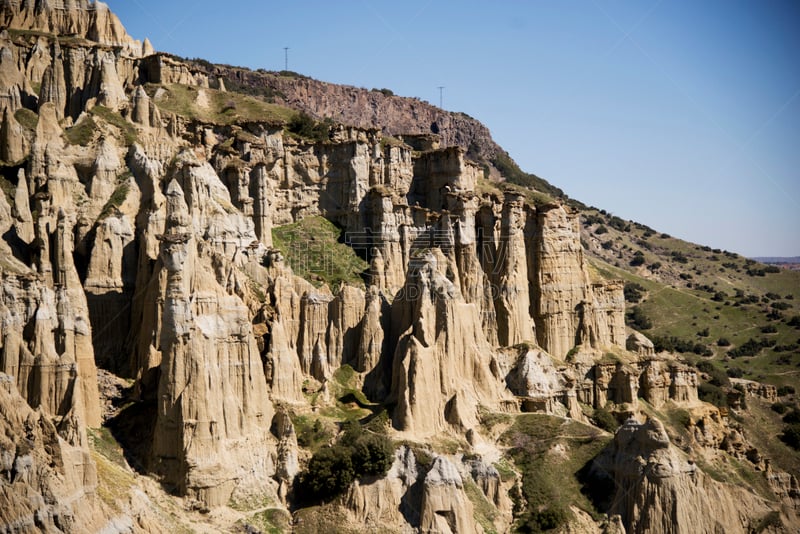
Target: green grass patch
313, 250
116, 199
270, 521
223, 107
82, 132
127, 130
550, 482
312, 432
484, 512
693, 316
27, 118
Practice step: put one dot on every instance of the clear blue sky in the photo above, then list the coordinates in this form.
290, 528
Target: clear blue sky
682, 115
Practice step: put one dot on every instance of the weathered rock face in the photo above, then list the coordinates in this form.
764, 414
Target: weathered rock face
445, 508
211, 431
91, 20
432, 500
155, 259
568, 309
442, 361
658, 490
47, 477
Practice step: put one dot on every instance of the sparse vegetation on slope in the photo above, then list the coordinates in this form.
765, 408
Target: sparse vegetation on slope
219, 107
313, 250
550, 452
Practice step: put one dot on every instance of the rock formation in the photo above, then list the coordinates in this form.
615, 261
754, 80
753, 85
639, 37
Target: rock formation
659, 490
145, 241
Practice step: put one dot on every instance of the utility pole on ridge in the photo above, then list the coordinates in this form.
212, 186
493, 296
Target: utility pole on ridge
441, 99
285, 58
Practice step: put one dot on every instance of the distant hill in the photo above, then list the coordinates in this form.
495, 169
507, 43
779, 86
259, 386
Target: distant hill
778, 260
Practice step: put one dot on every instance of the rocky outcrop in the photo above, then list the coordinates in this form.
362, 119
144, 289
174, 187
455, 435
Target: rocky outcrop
396, 116
442, 360
13, 142
212, 424
444, 507
91, 20
47, 483
658, 490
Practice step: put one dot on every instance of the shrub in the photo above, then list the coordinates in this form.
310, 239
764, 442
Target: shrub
791, 436
357, 453
633, 292
600, 230
719, 296
653, 267
792, 418
704, 332
734, 372
607, 245
619, 224
605, 420
779, 407
769, 329
749, 348
636, 318
723, 342
329, 473
638, 259
786, 390
712, 394
679, 257
372, 455
303, 125
781, 305
717, 377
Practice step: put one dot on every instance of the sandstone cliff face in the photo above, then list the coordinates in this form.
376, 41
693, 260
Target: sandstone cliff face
93, 21
47, 478
145, 246
659, 490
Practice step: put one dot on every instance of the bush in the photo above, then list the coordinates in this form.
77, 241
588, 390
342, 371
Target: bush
633, 292
653, 267
717, 377
723, 342
769, 329
604, 419
792, 418
791, 436
638, 259
750, 348
636, 318
785, 390
619, 224
357, 453
734, 372
679, 257
779, 407
712, 394
372, 455
600, 230
719, 296
303, 125
329, 473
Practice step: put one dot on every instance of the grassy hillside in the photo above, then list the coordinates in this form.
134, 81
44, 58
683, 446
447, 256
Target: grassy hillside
706, 303
312, 248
